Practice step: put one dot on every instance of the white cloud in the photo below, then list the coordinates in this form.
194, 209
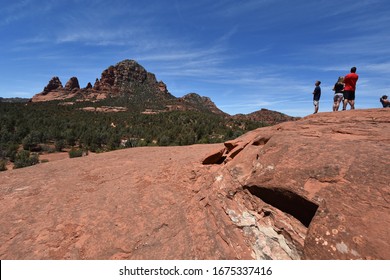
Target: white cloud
12, 11
383, 68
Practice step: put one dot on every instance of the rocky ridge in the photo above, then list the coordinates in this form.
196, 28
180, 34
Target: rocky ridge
14, 100
316, 188
266, 116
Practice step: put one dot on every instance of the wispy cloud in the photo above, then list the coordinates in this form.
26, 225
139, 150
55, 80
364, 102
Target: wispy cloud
383, 68
12, 11
363, 45
231, 9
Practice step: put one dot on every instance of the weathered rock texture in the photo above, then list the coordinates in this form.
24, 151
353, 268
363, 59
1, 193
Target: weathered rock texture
319, 185
317, 188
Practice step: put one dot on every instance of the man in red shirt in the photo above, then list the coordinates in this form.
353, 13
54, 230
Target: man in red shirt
349, 88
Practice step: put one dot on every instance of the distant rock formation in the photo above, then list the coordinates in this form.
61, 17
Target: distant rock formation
126, 77
266, 116
54, 84
72, 84
129, 79
89, 86
316, 188
201, 102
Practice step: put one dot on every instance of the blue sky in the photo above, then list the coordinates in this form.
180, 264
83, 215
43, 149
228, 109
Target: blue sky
244, 55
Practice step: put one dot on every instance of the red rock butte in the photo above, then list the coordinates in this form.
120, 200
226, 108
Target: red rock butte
316, 188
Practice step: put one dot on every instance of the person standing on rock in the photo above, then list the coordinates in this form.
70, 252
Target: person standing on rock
350, 81
385, 102
338, 93
316, 96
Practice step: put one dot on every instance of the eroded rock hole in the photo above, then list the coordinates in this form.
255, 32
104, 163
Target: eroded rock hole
286, 201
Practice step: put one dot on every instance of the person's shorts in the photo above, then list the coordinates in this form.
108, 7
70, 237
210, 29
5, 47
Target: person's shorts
316, 102
349, 94
338, 97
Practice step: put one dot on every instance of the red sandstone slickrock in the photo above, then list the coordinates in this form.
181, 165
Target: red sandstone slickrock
316, 188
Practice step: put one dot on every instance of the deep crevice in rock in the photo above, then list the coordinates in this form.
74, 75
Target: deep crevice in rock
216, 158
286, 201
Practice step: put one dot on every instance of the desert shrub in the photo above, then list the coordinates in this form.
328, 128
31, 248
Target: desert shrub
113, 142
164, 141
11, 151
47, 148
59, 145
31, 141
25, 158
3, 165
75, 153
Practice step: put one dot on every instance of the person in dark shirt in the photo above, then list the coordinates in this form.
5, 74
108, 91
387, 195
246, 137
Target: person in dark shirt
385, 102
316, 96
338, 93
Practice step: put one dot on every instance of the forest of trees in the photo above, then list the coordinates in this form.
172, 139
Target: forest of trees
27, 129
